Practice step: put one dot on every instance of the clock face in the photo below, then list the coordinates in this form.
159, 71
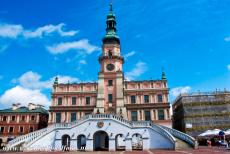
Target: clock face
110, 67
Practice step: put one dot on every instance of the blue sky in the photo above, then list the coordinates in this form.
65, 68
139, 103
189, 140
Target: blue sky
42, 39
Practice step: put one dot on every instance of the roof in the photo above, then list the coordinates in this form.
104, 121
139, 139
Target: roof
139, 81
82, 83
214, 96
25, 110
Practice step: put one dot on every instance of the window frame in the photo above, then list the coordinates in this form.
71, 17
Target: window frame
148, 118
10, 129
32, 118
110, 98
159, 98
134, 118
3, 119
74, 102
19, 130
32, 129
58, 113
71, 117
131, 99
59, 102
2, 130
87, 100
12, 118
146, 99
22, 119
160, 116
110, 83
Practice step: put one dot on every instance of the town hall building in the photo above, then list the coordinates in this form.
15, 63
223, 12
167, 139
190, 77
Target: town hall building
145, 100
111, 114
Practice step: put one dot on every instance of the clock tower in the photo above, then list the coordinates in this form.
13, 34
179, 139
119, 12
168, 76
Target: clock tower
110, 97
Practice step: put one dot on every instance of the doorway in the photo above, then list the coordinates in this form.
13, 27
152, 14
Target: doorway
101, 141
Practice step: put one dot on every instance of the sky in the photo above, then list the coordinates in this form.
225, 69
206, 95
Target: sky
43, 39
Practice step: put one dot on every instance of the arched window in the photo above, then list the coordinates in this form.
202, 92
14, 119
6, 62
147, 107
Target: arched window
110, 54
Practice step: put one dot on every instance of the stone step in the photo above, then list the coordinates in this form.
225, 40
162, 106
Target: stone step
180, 144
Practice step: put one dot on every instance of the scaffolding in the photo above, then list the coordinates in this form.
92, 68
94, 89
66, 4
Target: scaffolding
197, 112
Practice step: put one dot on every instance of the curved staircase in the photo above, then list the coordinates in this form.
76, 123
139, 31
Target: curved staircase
179, 139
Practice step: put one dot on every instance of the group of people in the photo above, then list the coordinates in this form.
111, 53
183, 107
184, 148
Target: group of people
220, 143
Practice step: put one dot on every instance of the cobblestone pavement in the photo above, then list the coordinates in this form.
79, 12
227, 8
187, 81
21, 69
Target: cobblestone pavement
201, 150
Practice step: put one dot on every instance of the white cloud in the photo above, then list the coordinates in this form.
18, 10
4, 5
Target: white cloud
227, 39
24, 96
29, 89
32, 80
179, 90
45, 30
139, 69
13, 31
129, 54
228, 67
10, 31
81, 45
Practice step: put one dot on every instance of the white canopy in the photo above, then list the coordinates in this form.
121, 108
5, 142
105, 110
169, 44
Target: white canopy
211, 132
227, 132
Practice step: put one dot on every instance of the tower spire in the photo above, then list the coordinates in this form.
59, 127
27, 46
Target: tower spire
163, 77
111, 30
111, 7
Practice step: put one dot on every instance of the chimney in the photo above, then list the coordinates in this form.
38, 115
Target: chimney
15, 106
32, 106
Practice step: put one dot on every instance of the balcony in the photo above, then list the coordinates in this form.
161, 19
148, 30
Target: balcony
103, 57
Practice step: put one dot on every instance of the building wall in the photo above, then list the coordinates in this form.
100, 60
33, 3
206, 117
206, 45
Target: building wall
151, 138
152, 89
40, 121
66, 92
131, 88
194, 114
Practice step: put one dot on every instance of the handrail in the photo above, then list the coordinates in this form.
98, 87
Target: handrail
189, 139
24, 137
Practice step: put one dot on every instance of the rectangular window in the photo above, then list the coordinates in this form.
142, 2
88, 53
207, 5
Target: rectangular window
74, 100
159, 98
58, 117
87, 100
23, 118
20, 129
31, 129
73, 117
2, 129
161, 115
11, 129
5, 118
146, 98
110, 82
110, 97
147, 116
133, 99
59, 101
134, 115
13, 118
32, 118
